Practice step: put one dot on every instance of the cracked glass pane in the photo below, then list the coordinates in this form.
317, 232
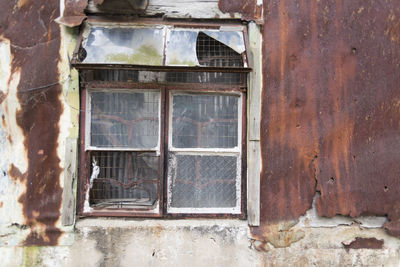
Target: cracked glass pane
123, 119
203, 181
205, 121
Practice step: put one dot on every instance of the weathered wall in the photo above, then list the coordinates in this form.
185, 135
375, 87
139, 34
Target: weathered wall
200, 243
36, 86
330, 110
329, 136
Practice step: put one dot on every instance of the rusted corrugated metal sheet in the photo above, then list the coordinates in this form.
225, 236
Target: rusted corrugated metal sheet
248, 8
331, 109
35, 44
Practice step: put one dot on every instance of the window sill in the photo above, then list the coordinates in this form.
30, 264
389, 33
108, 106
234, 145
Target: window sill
165, 223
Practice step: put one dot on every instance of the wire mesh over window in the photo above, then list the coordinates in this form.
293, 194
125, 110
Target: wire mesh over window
205, 121
212, 53
136, 76
204, 157
122, 119
124, 179
199, 181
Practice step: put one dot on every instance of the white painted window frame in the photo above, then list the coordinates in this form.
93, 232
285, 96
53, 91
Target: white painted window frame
88, 114
236, 151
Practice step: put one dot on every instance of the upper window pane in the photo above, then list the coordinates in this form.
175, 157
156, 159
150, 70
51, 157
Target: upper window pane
139, 46
204, 48
205, 121
124, 119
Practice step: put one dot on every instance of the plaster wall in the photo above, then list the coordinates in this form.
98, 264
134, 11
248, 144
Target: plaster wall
112, 242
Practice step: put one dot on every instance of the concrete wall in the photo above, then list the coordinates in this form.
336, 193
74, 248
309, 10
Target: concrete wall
116, 242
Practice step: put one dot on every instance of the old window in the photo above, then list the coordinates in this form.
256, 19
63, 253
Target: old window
162, 121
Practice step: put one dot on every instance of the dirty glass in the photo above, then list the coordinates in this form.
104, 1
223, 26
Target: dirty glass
200, 181
124, 179
181, 48
205, 121
141, 46
123, 119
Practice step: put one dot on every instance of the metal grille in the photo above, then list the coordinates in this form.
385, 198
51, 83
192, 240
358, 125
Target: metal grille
124, 119
124, 179
164, 77
111, 75
212, 53
206, 77
203, 181
205, 121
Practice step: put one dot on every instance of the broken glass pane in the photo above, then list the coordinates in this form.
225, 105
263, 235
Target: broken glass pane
123, 119
212, 53
232, 39
141, 46
124, 179
205, 121
202, 181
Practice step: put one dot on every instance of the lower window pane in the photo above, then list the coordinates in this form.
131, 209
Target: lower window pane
202, 181
124, 179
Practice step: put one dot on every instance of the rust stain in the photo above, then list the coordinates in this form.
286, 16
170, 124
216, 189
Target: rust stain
15, 173
330, 122
73, 14
22, 3
2, 97
248, 8
361, 243
36, 55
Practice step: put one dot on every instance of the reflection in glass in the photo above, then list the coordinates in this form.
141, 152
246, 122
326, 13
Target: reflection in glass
140, 46
124, 119
181, 48
205, 121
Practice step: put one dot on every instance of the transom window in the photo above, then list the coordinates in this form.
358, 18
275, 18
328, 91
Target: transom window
165, 142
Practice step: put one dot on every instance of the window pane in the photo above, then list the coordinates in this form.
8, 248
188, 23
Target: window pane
124, 179
124, 119
205, 121
202, 181
181, 48
124, 46
212, 53
211, 48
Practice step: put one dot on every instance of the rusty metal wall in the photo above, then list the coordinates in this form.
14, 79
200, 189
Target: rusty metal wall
34, 39
331, 110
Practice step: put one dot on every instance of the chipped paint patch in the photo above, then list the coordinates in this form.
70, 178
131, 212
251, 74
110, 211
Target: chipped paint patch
360, 243
279, 235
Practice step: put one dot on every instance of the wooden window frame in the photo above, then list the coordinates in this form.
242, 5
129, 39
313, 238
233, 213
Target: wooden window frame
166, 91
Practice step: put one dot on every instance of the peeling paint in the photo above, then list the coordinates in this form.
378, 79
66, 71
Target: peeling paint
37, 115
250, 9
323, 75
360, 243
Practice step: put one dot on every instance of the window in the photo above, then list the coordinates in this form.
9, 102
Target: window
164, 141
